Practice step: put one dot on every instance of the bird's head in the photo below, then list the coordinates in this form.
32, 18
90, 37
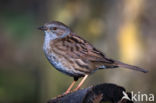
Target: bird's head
55, 30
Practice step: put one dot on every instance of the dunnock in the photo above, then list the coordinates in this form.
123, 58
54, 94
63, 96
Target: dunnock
73, 55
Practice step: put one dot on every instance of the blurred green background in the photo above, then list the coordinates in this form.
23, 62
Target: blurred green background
122, 29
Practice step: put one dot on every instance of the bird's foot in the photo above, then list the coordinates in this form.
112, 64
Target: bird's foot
66, 92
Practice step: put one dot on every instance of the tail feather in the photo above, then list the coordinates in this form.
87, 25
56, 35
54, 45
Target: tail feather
124, 65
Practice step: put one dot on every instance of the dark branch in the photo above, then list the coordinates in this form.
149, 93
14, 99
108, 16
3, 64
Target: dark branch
95, 94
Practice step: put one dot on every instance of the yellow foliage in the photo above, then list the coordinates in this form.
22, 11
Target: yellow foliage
129, 42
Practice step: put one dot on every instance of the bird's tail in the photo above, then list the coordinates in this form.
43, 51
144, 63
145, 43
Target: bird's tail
124, 65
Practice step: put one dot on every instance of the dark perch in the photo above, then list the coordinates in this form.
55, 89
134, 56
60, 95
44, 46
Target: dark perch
102, 93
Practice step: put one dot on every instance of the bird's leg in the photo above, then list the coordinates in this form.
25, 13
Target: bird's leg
80, 84
70, 87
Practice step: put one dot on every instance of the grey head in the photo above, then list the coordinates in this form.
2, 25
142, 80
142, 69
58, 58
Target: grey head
55, 29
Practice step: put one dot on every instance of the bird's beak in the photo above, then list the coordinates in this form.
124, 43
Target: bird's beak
42, 28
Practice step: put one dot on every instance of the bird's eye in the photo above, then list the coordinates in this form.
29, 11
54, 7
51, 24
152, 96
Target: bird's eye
54, 28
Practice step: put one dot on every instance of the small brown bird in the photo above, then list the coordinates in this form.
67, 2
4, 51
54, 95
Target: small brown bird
73, 55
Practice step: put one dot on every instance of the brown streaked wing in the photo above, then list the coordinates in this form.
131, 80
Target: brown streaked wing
79, 48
